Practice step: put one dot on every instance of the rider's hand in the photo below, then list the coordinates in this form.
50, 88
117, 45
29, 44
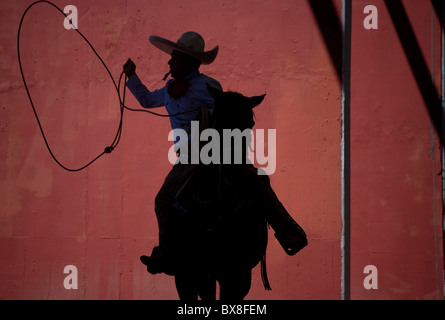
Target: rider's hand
129, 68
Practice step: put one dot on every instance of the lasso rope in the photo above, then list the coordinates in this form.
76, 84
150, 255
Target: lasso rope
122, 105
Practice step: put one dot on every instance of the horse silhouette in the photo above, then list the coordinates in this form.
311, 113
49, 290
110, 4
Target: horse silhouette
221, 221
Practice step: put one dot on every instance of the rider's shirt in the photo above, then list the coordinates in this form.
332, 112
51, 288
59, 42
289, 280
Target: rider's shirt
196, 96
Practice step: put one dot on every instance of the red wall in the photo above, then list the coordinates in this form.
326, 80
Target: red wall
396, 186
101, 219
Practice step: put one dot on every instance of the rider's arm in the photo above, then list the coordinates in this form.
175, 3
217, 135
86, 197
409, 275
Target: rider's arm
146, 98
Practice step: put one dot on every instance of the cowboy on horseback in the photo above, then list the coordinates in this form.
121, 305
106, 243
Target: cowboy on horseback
187, 91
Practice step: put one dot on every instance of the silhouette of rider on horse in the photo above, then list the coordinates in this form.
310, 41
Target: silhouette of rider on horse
182, 96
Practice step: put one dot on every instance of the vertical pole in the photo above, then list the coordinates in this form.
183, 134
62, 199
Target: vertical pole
442, 15
345, 151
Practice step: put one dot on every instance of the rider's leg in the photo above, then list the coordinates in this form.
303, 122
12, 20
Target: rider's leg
162, 256
163, 202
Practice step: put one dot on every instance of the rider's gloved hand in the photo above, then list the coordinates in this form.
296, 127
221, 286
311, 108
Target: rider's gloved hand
129, 68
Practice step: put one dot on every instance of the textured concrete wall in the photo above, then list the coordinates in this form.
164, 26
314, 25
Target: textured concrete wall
396, 200
101, 219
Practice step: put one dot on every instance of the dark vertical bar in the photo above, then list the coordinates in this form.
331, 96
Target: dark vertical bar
443, 133
417, 62
336, 34
440, 11
438, 7
331, 29
346, 149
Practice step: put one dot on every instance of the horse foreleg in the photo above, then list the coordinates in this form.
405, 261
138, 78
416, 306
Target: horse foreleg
189, 287
235, 285
186, 287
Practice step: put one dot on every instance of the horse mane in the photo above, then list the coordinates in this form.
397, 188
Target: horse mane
233, 110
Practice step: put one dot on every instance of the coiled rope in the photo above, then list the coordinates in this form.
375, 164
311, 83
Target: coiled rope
121, 98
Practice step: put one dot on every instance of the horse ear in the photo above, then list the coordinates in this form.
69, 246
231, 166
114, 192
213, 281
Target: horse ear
214, 92
254, 101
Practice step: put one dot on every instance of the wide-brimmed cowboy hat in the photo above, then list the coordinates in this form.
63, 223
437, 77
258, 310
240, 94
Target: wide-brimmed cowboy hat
190, 43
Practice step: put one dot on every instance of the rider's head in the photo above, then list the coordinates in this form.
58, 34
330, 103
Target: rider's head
182, 64
187, 54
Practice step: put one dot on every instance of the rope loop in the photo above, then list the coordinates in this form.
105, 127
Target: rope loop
122, 105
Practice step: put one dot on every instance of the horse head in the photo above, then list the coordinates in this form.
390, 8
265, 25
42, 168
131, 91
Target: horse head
233, 110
